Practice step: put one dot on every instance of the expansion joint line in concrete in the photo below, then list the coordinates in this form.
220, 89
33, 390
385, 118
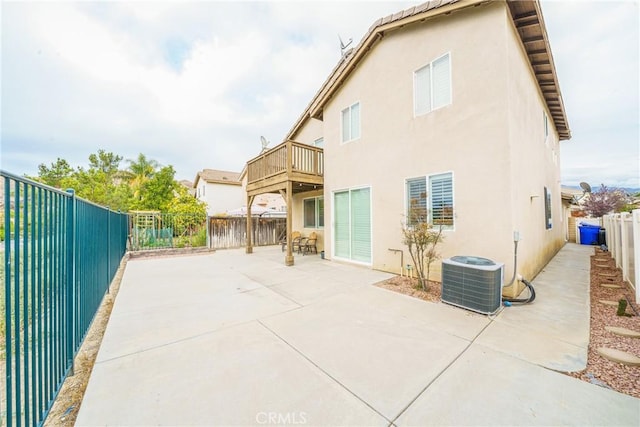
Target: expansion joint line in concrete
441, 372
323, 371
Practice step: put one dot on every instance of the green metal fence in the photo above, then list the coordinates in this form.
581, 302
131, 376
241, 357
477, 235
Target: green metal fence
60, 255
154, 230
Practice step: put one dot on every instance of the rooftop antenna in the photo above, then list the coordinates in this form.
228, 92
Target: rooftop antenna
586, 189
344, 46
264, 142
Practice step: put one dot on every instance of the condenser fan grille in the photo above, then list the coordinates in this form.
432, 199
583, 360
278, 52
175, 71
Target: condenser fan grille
473, 283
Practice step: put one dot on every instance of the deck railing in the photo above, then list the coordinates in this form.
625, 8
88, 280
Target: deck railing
60, 255
287, 158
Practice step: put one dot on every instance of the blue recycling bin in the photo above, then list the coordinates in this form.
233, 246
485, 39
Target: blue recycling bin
589, 234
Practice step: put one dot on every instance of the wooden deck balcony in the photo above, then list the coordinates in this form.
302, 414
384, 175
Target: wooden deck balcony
290, 161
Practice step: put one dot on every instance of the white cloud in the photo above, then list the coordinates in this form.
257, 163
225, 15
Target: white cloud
596, 47
196, 84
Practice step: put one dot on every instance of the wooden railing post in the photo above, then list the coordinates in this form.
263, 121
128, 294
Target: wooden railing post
249, 248
288, 260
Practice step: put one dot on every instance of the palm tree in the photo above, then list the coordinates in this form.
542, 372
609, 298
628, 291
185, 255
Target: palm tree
139, 172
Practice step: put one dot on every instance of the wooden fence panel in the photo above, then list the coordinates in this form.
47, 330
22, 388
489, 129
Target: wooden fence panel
231, 232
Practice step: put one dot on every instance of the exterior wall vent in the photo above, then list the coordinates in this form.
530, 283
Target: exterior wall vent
472, 283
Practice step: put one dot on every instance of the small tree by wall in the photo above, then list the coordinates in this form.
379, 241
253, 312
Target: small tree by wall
421, 239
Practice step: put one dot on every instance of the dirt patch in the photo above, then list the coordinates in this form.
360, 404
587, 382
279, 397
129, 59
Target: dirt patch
619, 377
67, 405
409, 286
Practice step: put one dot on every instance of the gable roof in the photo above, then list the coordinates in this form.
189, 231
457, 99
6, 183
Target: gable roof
213, 176
527, 18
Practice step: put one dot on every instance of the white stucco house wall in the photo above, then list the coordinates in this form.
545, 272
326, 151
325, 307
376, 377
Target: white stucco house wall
220, 190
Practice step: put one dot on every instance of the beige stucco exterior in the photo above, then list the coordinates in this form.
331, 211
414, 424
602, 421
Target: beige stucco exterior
298, 217
491, 138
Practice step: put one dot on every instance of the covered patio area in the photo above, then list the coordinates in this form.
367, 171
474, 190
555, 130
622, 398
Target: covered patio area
289, 168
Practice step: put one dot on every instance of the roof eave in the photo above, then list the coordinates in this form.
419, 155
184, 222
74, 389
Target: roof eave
376, 33
529, 24
541, 66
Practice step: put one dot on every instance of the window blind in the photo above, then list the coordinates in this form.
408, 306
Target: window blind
355, 121
422, 90
341, 221
416, 198
441, 82
441, 189
361, 225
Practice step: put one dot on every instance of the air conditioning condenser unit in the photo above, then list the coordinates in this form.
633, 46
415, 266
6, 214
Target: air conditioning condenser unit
473, 283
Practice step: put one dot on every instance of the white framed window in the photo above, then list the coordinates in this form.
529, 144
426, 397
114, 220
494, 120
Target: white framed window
313, 212
351, 123
432, 85
545, 120
431, 198
319, 143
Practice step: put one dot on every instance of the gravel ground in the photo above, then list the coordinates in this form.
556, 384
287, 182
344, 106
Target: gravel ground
600, 371
619, 377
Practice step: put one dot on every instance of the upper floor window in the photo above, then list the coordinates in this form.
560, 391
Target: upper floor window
432, 85
351, 123
319, 142
545, 120
314, 212
430, 198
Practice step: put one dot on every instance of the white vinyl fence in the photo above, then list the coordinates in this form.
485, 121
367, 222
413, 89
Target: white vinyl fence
623, 240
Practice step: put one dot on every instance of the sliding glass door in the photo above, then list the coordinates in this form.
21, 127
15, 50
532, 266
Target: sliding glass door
352, 224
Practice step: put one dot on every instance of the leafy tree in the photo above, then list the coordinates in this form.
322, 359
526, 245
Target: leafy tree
139, 172
158, 191
56, 175
189, 212
421, 240
99, 183
143, 185
605, 201
105, 163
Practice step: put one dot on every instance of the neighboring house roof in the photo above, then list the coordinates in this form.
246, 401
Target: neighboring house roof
527, 18
214, 176
189, 185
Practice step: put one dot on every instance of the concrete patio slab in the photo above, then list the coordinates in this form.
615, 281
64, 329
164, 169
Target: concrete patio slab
158, 306
242, 375
486, 387
437, 316
312, 290
553, 331
369, 351
236, 339
534, 347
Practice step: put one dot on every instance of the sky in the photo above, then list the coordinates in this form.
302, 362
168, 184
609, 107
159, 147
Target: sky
195, 84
